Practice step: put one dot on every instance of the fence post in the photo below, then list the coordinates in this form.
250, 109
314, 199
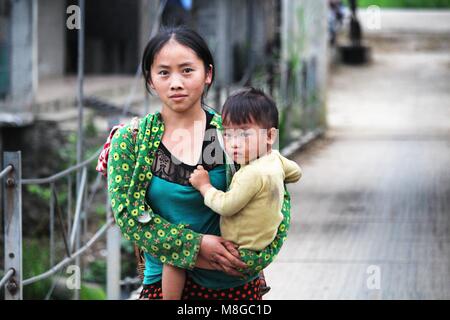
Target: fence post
13, 225
113, 259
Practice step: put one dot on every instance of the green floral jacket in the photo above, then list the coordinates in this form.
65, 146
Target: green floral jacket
129, 175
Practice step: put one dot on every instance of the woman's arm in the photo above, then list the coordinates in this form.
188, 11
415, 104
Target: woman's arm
258, 260
221, 254
171, 244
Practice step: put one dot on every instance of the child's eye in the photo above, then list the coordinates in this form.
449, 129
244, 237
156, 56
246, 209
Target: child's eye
187, 70
163, 73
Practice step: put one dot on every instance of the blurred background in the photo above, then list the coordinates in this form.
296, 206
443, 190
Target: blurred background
363, 93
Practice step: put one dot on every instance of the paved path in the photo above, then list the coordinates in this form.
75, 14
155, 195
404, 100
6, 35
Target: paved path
371, 215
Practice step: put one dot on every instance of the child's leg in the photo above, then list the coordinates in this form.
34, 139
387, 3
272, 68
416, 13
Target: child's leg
173, 279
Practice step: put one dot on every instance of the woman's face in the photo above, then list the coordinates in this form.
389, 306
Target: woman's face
178, 76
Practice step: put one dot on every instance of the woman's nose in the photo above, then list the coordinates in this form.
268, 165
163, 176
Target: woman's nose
176, 83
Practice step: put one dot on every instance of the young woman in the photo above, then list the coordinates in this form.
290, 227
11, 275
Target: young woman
148, 178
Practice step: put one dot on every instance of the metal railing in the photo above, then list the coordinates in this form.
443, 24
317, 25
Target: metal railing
13, 225
72, 237
6, 173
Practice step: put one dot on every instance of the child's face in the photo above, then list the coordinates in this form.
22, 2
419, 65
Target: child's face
246, 142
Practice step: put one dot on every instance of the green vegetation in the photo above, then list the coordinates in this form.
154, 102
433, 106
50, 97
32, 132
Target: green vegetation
68, 157
35, 261
92, 293
96, 272
281, 128
406, 3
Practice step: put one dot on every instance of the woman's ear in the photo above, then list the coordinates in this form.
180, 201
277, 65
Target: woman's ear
209, 73
148, 78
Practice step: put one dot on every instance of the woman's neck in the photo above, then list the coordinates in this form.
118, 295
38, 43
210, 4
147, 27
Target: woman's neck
184, 119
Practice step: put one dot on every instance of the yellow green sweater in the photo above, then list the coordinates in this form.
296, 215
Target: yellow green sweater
251, 208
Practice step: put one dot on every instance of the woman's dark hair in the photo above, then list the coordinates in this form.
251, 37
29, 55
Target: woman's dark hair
250, 105
184, 36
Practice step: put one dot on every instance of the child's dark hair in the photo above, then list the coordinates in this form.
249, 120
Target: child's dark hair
184, 36
250, 105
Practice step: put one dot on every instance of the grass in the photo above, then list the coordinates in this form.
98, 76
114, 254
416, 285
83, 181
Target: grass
406, 3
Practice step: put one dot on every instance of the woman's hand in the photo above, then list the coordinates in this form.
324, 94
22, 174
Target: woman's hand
221, 254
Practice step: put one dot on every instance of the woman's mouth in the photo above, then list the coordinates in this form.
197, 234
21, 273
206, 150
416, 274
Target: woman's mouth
178, 97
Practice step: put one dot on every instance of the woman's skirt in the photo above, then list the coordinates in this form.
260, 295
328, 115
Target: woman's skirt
194, 291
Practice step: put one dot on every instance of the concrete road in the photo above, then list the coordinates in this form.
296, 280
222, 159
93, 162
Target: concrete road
371, 215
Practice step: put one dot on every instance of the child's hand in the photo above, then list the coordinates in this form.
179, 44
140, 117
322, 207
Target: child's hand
200, 179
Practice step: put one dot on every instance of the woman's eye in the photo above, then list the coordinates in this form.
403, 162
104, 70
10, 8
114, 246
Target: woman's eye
163, 73
188, 70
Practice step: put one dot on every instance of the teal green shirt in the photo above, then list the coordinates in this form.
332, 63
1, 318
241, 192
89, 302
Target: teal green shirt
184, 204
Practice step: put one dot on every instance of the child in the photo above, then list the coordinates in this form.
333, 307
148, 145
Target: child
251, 209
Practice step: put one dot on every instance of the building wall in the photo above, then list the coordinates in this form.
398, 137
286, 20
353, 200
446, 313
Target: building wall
115, 36
22, 55
245, 34
237, 32
147, 11
51, 38
304, 61
4, 48
111, 38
